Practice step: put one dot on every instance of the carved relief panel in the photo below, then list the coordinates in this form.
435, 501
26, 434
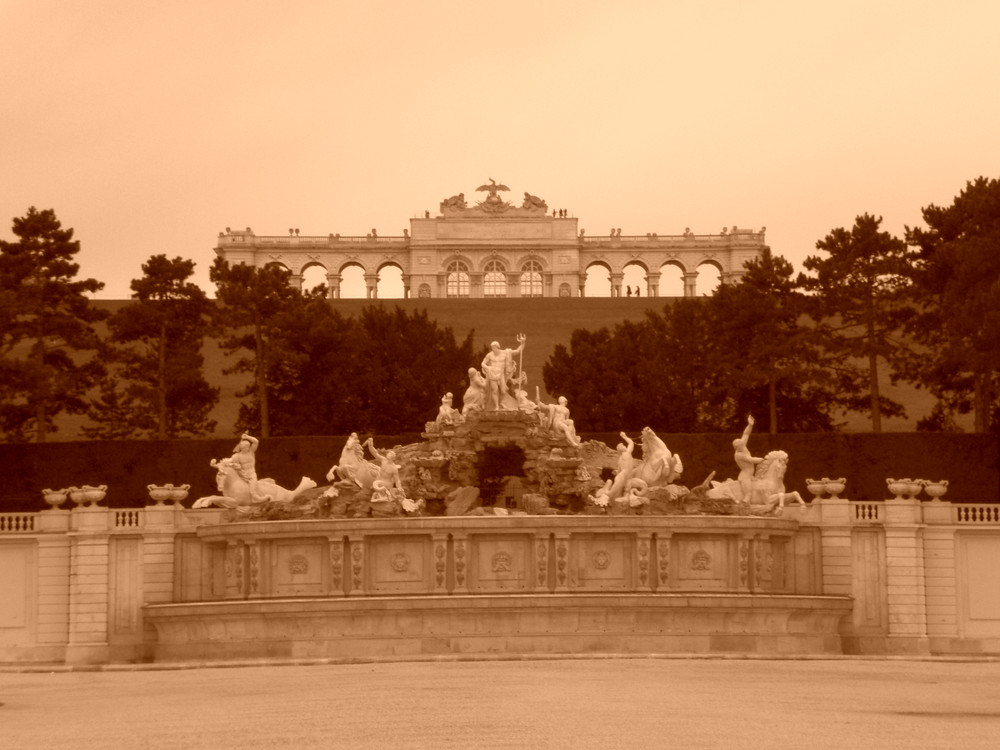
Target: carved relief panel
602, 562
702, 563
501, 562
297, 567
400, 564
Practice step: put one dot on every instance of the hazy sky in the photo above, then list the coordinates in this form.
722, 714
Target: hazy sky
151, 126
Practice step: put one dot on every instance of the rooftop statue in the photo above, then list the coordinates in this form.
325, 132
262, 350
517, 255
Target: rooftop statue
236, 479
455, 203
493, 202
533, 201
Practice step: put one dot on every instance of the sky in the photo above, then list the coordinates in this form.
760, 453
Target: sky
149, 127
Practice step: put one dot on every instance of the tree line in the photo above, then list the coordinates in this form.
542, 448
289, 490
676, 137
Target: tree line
798, 351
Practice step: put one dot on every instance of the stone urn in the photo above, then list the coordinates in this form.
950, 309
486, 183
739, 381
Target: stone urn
55, 498
160, 493
817, 486
87, 495
935, 489
179, 494
94, 495
902, 488
835, 486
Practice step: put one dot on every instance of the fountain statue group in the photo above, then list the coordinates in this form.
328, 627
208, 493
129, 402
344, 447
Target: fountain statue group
562, 474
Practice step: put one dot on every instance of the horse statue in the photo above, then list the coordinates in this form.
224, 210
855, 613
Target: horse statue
767, 488
240, 494
658, 466
353, 466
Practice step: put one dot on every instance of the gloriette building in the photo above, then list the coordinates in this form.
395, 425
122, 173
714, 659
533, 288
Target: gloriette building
494, 248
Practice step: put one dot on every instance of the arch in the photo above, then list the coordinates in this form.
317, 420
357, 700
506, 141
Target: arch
313, 276
424, 291
457, 279
565, 290
352, 281
530, 281
494, 279
389, 284
709, 277
598, 282
671, 279
635, 276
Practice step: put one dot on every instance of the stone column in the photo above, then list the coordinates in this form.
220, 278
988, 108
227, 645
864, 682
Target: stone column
158, 560
690, 283
295, 281
835, 545
904, 558
371, 285
653, 284
616, 284
53, 583
88, 589
939, 573
333, 285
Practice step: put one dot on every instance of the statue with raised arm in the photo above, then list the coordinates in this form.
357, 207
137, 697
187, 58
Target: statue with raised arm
236, 480
388, 468
498, 368
626, 465
745, 460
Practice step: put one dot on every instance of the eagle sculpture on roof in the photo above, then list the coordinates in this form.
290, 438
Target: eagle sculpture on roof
492, 188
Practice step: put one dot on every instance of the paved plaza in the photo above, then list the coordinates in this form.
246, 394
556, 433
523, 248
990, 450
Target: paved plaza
542, 703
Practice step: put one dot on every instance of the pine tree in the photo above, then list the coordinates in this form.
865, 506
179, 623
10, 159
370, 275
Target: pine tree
47, 332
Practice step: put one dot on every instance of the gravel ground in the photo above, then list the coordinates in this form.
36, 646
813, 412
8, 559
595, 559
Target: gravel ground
551, 703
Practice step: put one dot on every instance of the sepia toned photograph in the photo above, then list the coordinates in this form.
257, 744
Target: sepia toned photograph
382, 374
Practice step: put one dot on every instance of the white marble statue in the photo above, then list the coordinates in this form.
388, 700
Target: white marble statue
236, 480
558, 420
475, 394
498, 368
388, 468
659, 467
353, 467
625, 468
767, 488
447, 413
744, 460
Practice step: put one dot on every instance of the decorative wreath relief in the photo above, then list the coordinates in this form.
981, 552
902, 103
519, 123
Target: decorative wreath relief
601, 559
298, 564
501, 562
701, 560
400, 562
